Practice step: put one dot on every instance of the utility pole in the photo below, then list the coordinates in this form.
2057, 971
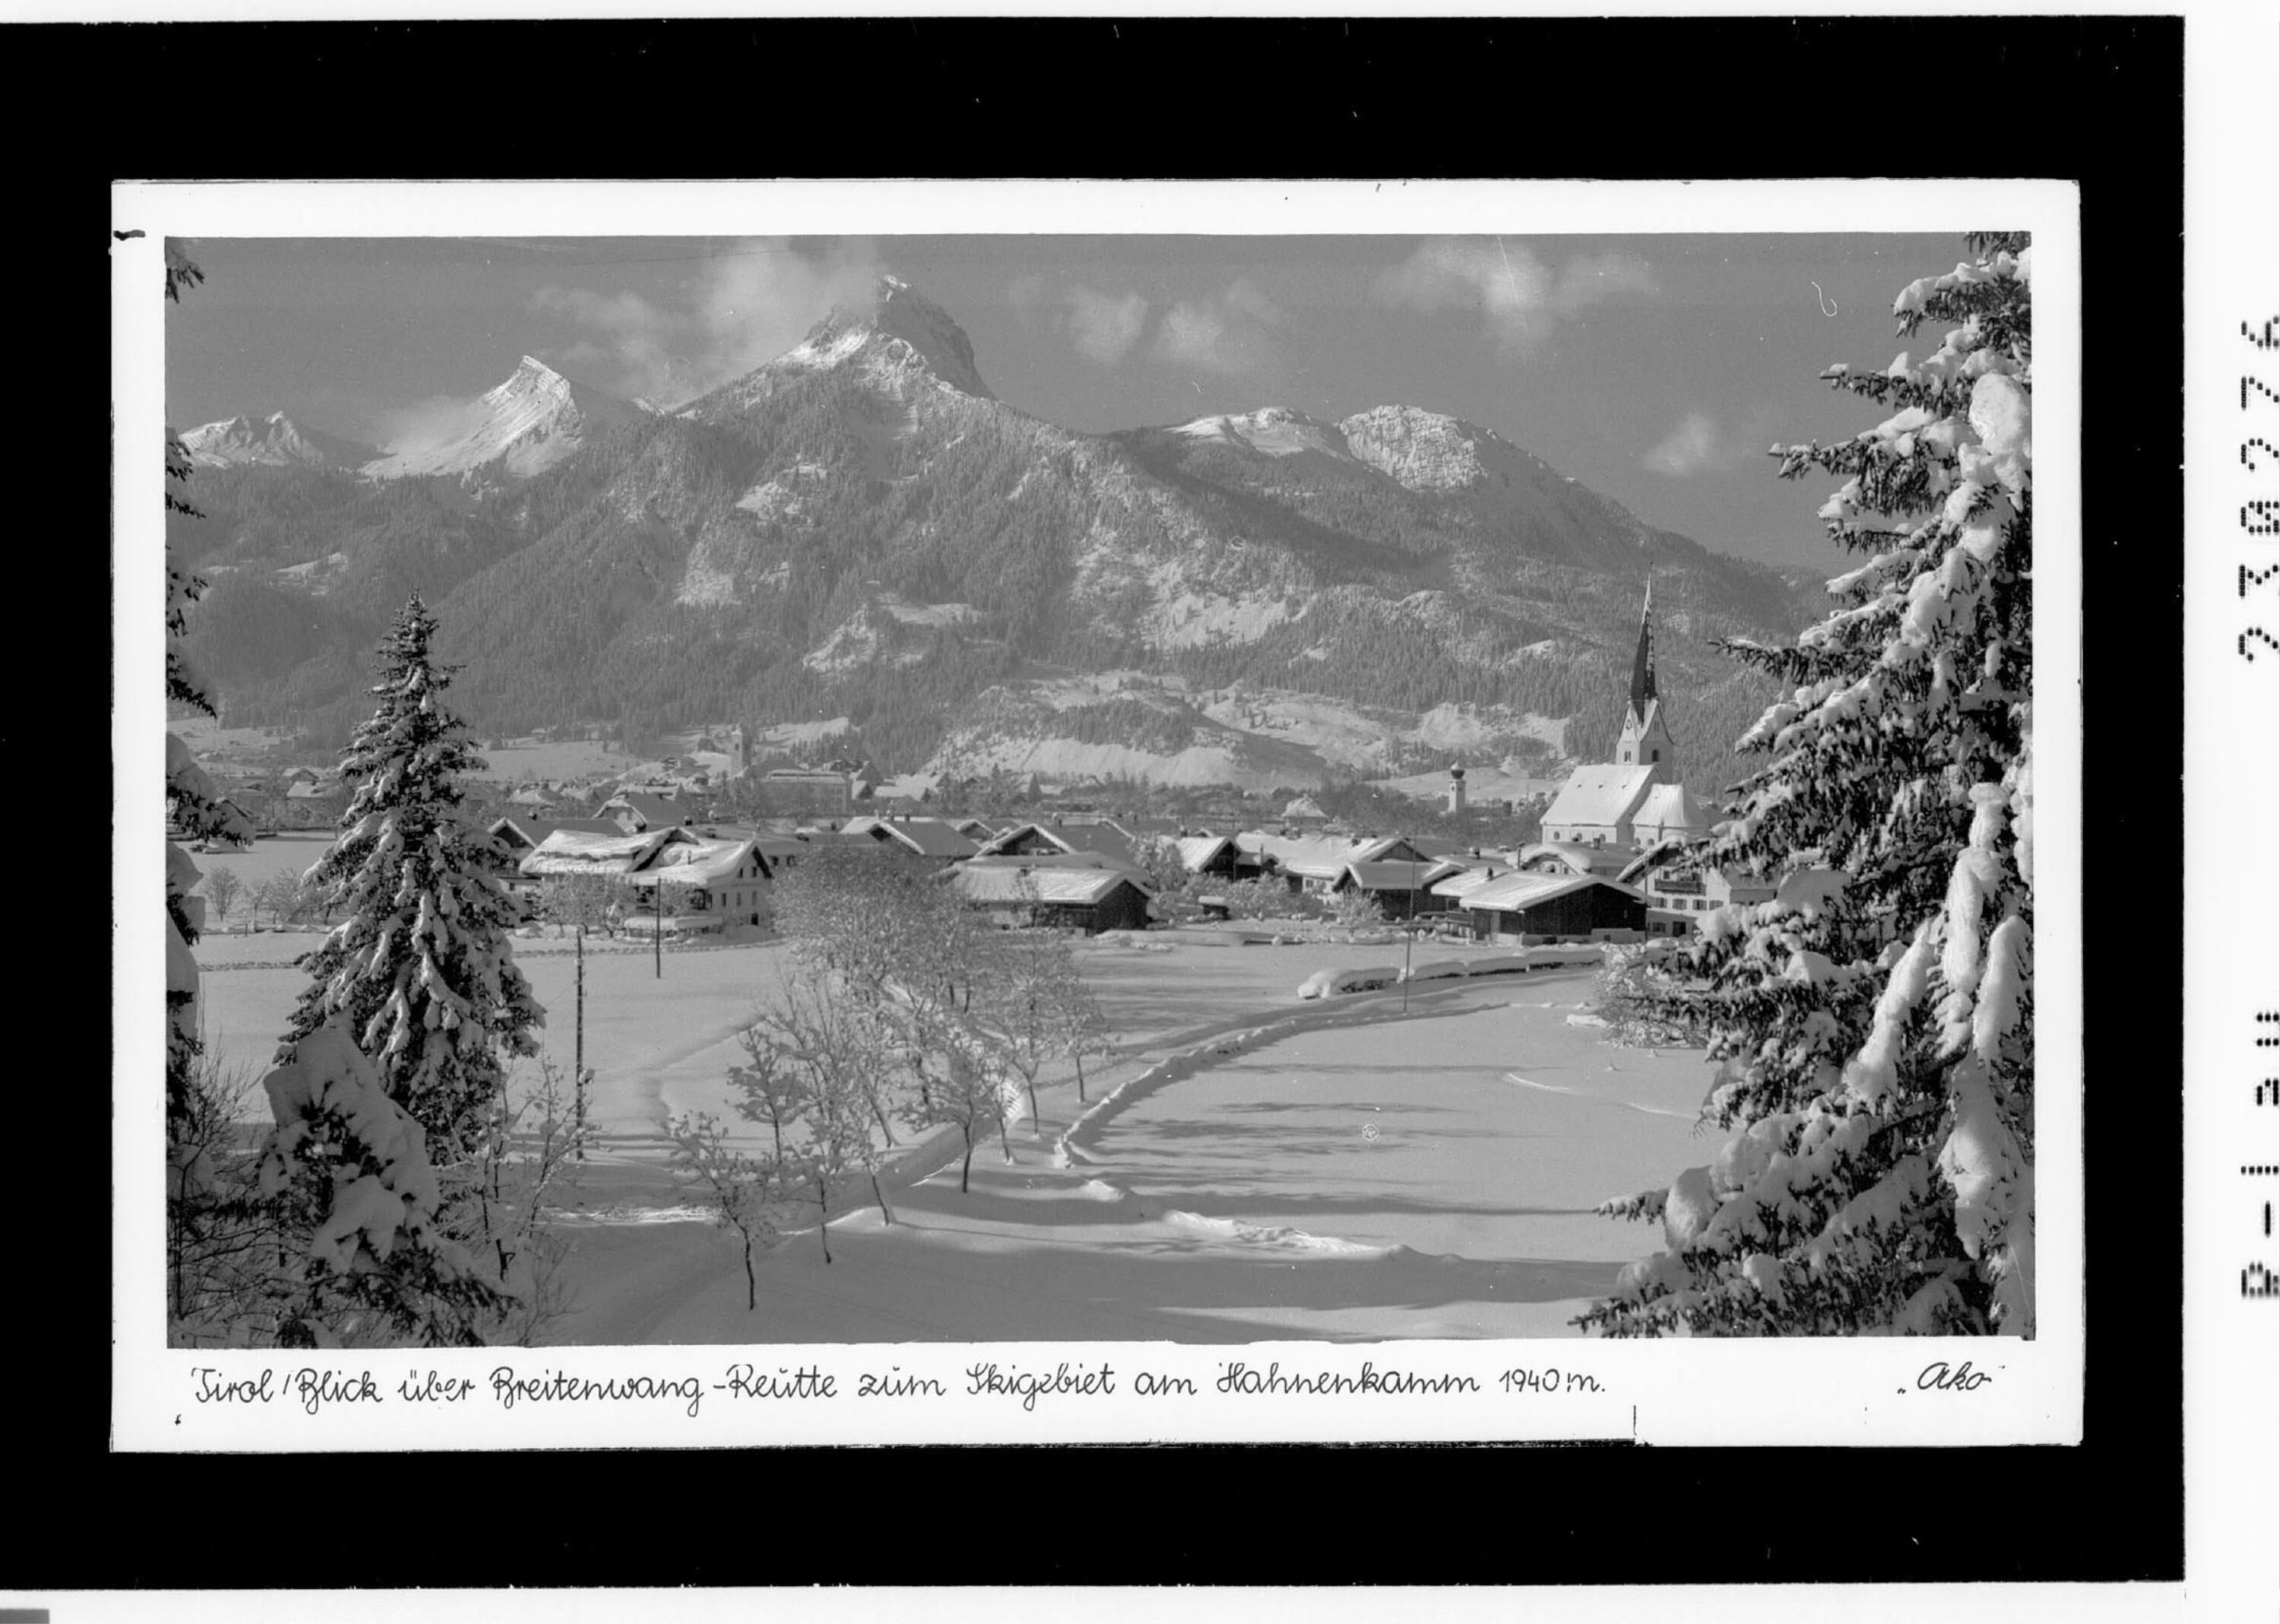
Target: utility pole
658, 934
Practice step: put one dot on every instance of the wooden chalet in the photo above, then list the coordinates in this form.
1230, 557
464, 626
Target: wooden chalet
1524, 907
1402, 889
1068, 893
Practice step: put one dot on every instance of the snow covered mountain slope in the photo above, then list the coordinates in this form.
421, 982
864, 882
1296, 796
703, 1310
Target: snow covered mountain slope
274, 442
525, 425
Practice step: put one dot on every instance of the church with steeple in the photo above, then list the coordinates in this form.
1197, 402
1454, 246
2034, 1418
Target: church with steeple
1612, 809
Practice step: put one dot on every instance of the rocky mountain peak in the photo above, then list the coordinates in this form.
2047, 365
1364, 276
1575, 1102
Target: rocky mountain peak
524, 425
901, 330
273, 441
1424, 451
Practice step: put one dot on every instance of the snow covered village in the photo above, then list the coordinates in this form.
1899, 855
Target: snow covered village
741, 833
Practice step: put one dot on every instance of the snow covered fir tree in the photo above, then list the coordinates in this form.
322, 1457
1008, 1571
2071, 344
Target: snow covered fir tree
1873, 1022
419, 966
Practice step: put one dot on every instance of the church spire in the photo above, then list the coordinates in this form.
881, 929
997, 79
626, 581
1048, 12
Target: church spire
1643, 692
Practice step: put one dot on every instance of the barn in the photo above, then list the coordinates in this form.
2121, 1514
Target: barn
1560, 906
1072, 898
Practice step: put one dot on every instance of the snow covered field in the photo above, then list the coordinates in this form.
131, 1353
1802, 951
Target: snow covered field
1346, 1175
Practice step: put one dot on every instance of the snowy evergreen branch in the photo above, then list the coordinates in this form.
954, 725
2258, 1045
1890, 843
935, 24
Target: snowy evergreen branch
1872, 1022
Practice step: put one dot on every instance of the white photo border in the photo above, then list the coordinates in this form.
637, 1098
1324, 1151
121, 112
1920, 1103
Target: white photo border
1740, 1392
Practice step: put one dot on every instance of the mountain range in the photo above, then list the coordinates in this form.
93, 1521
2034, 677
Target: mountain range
860, 528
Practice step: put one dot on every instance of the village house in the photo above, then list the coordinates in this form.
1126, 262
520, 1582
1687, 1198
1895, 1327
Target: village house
715, 882
1551, 857
1066, 893
1680, 892
1317, 862
1064, 837
518, 835
930, 838
1219, 857
1527, 908
312, 803
1401, 888
636, 811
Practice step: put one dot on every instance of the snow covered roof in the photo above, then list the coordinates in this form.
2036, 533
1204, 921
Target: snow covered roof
1579, 859
988, 881
578, 852
1399, 874
1467, 880
653, 811
1305, 806
1600, 795
926, 836
1513, 893
696, 862
1653, 857
1199, 850
1668, 813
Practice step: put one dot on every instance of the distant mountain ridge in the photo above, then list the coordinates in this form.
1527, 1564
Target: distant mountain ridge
859, 527
274, 440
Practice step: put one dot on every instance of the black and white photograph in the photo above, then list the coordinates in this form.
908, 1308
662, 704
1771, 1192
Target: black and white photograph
1012, 788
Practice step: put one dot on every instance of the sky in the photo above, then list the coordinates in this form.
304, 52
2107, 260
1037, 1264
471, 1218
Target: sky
1656, 369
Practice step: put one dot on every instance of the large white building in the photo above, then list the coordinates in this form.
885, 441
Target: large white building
1636, 800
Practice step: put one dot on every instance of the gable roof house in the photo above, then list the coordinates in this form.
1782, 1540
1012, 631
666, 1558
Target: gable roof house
1041, 839
1520, 907
726, 880
1216, 854
1402, 889
637, 811
924, 837
1679, 893
1318, 862
520, 834
717, 882
1072, 892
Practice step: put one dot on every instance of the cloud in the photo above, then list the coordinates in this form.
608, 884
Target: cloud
1521, 297
1689, 448
750, 304
1228, 334
1588, 278
1025, 293
1104, 326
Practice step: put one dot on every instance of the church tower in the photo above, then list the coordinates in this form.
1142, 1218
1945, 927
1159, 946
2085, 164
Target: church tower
1645, 741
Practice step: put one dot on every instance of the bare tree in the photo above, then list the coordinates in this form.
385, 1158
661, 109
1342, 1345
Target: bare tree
500, 1197
223, 888
1079, 1026
961, 1085
1019, 1010
841, 1056
769, 1083
742, 1190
